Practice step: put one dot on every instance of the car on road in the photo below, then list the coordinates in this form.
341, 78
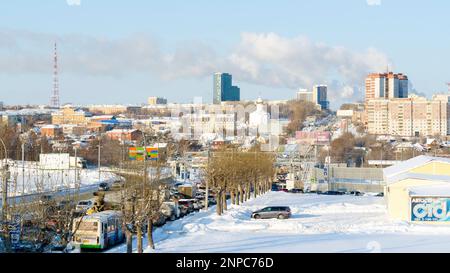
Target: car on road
277, 212
103, 186
84, 205
296, 191
46, 199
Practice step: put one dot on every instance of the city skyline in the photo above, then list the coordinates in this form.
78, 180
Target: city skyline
105, 59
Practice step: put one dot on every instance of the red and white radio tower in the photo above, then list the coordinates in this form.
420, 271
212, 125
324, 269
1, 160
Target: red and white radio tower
54, 99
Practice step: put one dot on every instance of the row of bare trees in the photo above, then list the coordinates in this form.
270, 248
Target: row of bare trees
142, 196
238, 174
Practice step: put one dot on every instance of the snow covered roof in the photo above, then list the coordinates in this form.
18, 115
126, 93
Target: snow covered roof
434, 191
51, 126
160, 145
399, 171
122, 131
419, 176
104, 215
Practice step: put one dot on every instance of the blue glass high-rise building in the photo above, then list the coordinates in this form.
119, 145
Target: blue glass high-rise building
320, 96
224, 89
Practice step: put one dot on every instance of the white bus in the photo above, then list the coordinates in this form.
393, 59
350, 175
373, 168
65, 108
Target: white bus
99, 230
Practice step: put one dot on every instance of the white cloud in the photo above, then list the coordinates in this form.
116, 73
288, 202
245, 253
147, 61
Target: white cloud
265, 59
273, 60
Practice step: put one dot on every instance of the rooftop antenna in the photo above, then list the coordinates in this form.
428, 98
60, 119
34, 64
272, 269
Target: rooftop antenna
54, 99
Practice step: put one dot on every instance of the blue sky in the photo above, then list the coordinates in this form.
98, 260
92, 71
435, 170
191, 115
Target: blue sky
124, 51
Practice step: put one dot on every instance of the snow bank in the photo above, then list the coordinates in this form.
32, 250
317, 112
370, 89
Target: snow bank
320, 223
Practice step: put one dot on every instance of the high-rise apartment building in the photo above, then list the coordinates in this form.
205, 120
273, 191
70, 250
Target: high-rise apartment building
304, 95
320, 95
386, 85
224, 89
408, 117
156, 101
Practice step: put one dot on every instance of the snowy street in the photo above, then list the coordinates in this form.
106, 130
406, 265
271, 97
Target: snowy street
320, 223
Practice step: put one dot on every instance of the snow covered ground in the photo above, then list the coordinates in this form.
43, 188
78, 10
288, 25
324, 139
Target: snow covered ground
30, 179
319, 224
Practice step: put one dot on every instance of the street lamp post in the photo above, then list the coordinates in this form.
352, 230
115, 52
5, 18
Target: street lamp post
99, 163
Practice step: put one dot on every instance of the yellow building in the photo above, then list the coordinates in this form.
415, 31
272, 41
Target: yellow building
418, 190
108, 109
69, 116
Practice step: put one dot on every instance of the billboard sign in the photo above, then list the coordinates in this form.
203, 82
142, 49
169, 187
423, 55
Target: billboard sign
430, 209
137, 153
311, 138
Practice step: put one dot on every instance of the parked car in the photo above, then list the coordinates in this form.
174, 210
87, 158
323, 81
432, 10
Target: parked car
284, 190
159, 220
333, 193
198, 205
199, 195
103, 187
187, 203
170, 211
211, 201
65, 205
355, 193
381, 194
84, 205
180, 195
184, 210
272, 212
296, 191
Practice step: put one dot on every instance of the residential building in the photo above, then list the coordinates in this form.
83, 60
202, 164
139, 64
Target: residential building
124, 134
408, 117
25, 117
224, 89
156, 101
69, 116
51, 131
10, 119
386, 85
377, 116
108, 109
304, 95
